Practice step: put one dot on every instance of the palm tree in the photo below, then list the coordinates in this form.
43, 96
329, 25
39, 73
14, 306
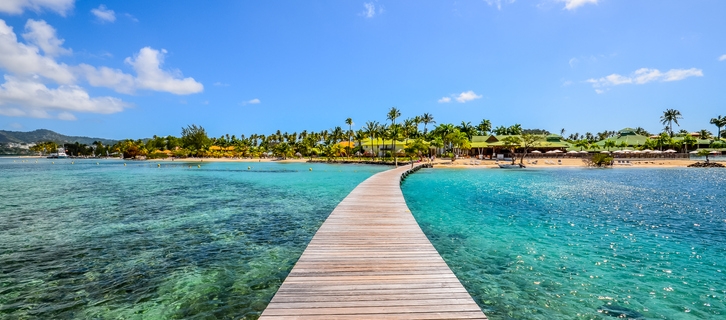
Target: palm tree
427, 118
392, 115
349, 122
669, 116
484, 127
609, 143
371, 128
719, 123
582, 144
467, 129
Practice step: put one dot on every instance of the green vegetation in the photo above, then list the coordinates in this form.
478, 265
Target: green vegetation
398, 138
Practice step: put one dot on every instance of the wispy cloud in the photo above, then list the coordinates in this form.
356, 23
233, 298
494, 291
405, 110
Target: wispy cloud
131, 17
722, 58
104, 14
498, 3
463, 97
573, 62
574, 4
371, 10
253, 101
19, 6
643, 76
220, 84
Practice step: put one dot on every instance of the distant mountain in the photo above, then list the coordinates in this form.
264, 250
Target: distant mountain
41, 135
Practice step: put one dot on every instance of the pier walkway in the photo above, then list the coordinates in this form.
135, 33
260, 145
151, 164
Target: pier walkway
370, 260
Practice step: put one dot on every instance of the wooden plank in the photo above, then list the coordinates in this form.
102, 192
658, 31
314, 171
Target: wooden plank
370, 260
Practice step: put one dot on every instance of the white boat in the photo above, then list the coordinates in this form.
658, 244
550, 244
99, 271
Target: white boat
60, 155
511, 166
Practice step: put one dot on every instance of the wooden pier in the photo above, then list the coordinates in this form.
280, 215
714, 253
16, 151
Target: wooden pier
370, 260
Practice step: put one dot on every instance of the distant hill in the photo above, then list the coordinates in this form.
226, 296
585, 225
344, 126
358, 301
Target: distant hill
41, 135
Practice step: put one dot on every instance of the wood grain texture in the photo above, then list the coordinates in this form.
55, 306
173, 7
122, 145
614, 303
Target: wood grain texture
370, 260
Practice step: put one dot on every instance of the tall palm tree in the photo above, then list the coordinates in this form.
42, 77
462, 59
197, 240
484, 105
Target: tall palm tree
349, 122
467, 129
719, 123
669, 117
392, 115
371, 128
484, 127
427, 118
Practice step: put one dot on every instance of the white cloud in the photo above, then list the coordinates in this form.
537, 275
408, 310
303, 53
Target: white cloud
254, 101
574, 4
645, 75
370, 10
220, 84
573, 62
445, 100
18, 6
36, 85
498, 3
107, 77
43, 35
567, 83
26, 60
722, 58
104, 14
29, 98
147, 65
467, 96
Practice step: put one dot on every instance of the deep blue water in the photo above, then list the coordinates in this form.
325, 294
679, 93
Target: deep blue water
577, 243
100, 240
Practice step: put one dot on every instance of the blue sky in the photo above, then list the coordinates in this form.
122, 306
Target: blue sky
132, 69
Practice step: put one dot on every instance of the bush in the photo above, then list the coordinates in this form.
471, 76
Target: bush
602, 159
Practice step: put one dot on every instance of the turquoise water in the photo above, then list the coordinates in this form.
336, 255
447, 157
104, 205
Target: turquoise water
565, 243
108, 241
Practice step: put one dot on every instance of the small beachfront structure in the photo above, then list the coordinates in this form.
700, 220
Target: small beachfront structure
379, 147
490, 146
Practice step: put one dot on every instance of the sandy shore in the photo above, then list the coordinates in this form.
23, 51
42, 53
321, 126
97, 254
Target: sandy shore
464, 163
569, 162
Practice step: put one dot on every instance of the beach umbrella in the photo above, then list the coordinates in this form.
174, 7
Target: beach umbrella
636, 151
715, 152
583, 151
605, 151
618, 151
572, 151
694, 152
557, 151
551, 151
656, 151
536, 151
670, 151
647, 151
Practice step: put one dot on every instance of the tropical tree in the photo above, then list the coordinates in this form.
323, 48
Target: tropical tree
484, 127
622, 145
582, 144
467, 129
609, 143
669, 117
195, 139
371, 129
392, 115
703, 153
529, 141
349, 122
427, 118
719, 123
511, 143
688, 140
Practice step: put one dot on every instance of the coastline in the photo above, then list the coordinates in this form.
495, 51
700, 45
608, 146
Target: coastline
446, 163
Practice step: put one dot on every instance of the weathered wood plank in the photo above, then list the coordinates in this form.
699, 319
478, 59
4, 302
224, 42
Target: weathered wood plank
370, 260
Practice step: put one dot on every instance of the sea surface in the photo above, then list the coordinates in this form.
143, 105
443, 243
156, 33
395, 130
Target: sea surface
90, 239
580, 243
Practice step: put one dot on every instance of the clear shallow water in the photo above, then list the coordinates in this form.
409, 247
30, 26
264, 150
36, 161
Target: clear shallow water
560, 244
88, 241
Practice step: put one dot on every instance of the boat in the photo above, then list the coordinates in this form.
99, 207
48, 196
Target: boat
60, 155
511, 166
